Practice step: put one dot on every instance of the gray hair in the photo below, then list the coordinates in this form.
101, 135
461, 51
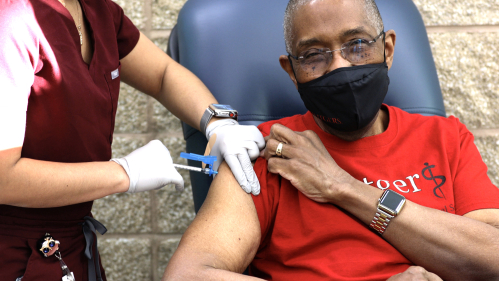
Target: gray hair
370, 8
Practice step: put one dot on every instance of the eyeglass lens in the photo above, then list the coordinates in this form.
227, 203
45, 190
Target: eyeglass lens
315, 62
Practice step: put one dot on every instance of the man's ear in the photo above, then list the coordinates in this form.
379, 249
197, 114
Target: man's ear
390, 38
286, 65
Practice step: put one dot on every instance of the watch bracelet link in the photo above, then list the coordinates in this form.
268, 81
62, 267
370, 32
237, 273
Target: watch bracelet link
380, 221
389, 206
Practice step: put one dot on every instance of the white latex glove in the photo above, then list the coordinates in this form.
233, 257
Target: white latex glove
150, 167
238, 145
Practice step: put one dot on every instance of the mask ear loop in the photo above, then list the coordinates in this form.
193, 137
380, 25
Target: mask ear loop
384, 48
292, 68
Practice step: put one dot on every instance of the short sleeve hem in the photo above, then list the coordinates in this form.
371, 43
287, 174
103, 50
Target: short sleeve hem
477, 206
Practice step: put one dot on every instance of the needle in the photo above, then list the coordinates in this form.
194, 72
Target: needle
195, 169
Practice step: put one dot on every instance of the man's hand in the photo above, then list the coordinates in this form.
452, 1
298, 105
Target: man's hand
150, 167
238, 145
306, 163
415, 273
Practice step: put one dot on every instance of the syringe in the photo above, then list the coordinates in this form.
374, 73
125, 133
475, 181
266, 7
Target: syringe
195, 169
208, 160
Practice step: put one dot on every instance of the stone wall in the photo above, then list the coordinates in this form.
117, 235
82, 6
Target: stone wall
464, 37
145, 228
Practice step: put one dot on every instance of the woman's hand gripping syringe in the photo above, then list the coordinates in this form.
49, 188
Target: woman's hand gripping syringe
151, 167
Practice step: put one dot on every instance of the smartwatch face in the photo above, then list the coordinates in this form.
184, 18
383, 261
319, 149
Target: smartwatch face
392, 201
221, 107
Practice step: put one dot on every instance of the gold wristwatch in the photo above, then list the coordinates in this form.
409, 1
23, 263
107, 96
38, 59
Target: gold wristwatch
389, 206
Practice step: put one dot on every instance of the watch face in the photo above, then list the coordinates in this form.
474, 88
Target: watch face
392, 201
223, 111
221, 107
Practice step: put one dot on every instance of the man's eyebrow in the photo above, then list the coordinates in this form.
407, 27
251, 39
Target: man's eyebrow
354, 31
308, 42
350, 32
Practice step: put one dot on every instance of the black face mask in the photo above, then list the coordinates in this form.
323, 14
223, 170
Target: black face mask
347, 98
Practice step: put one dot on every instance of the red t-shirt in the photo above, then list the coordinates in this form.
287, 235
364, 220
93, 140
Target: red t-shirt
432, 161
70, 106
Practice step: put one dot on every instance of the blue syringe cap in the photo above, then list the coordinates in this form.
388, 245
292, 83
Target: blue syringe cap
208, 160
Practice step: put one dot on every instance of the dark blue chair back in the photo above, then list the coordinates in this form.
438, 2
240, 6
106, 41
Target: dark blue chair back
234, 47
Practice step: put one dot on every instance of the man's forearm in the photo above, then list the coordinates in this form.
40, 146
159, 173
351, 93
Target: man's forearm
452, 246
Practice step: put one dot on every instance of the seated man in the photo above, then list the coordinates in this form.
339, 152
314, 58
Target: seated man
324, 172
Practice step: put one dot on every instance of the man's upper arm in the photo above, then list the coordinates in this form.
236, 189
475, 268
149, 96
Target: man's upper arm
475, 195
225, 233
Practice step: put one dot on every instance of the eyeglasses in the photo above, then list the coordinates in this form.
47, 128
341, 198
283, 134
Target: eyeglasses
315, 62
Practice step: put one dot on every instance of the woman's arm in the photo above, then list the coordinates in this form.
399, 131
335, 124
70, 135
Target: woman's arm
33, 183
150, 70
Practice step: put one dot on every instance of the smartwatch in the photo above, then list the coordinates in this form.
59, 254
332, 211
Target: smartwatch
216, 110
389, 206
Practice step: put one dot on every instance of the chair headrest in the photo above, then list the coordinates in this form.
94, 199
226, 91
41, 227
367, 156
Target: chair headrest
234, 47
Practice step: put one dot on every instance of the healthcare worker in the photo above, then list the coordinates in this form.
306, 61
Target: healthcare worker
61, 63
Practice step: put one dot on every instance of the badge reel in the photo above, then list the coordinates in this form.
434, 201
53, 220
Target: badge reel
48, 247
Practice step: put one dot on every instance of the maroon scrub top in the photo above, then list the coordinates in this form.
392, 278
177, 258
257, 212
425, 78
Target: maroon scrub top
71, 105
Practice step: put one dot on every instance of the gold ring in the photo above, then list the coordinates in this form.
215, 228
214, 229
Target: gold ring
278, 151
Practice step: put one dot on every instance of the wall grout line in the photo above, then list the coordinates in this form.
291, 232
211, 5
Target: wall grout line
148, 17
462, 28
150, 136
155, 229
157, 236
485, 132
147, 32
160, 33
155, 259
